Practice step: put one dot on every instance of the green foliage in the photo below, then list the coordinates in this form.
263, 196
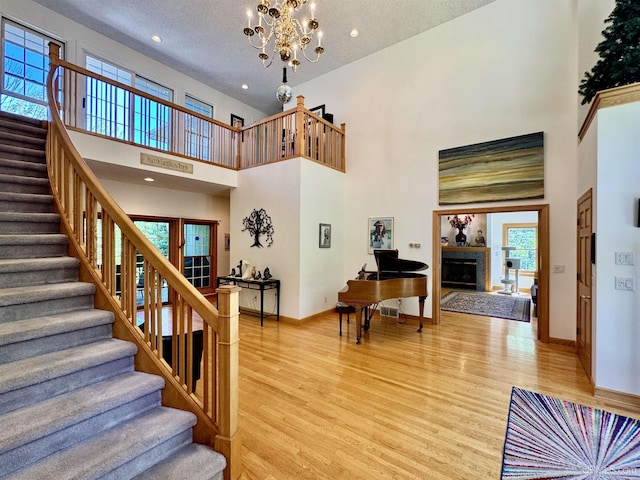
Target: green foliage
524, 239
619, 52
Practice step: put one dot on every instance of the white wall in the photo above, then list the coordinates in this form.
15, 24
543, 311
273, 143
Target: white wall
160, 202
322, 201
506, 69
79, 39
617, 332
276, 188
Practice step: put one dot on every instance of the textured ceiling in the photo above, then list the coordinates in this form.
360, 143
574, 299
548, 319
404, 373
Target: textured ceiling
204, 39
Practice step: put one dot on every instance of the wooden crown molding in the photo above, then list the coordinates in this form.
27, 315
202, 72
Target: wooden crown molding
610, 98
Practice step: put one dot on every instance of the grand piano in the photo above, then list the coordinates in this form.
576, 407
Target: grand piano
394, 278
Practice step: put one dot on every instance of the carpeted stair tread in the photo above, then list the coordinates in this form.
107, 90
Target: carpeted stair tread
8, 265
34, 217
36, 239
51, 333
26, 151
33, 245
18, 139
193, 462
9, 166
23, 128
26, 197
39, 293
16, 272
120, 452
35, 370
32, 433
19, 120
14, 179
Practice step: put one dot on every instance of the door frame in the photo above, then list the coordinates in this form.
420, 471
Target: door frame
543, 258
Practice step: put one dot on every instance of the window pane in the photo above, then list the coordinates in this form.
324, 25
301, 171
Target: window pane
197, 262
26, 64
525, 241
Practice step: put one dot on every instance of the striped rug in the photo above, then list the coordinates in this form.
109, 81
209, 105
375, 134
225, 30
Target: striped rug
548, 438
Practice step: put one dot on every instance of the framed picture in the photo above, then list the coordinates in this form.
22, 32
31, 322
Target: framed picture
324, 236
237, 121
227, 241
380, 232
319, 110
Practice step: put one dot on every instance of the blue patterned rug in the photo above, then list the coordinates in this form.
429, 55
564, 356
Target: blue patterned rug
548, 438
488, 304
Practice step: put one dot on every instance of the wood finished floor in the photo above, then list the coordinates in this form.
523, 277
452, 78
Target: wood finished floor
402, 405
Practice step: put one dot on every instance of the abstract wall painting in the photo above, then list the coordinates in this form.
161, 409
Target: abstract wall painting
507, 169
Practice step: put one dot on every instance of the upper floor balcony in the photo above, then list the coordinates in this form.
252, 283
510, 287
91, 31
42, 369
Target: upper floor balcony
99, 106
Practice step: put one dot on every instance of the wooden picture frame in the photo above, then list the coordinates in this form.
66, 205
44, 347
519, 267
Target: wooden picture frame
319, 110
324, 235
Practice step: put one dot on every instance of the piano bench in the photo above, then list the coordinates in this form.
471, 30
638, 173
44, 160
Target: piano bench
344, 308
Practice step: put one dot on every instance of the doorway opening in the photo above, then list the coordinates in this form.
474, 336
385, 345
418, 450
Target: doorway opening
541, 262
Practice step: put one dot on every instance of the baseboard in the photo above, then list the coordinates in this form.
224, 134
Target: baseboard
626, 399
563, 341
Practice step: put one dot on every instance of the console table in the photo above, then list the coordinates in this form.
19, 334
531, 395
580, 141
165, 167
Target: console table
251, 284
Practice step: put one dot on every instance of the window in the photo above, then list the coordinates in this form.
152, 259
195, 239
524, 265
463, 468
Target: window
25, 65
197, 132
107, 106
523, 236
197, 254
152, 120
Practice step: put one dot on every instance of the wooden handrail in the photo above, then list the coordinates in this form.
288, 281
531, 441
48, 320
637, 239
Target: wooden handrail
114, 255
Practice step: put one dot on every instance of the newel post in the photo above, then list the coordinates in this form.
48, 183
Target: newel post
300, 130
228, 441
54, 53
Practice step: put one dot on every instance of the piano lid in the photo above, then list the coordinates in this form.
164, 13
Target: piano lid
388, 261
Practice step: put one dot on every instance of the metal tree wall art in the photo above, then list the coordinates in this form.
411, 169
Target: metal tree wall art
259, 223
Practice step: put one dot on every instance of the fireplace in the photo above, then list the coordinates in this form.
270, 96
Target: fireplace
459, 273
466, 268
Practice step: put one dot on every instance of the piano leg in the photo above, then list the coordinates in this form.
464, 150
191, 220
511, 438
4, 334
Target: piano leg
358, 315
421, 300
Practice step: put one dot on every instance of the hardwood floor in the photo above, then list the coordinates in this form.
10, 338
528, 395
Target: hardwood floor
402, 405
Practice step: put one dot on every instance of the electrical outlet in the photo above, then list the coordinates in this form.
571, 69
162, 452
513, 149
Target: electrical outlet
625, 283
624, 258
558, 269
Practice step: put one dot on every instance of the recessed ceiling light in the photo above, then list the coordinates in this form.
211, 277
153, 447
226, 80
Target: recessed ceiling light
354, 33
156, 38
245, 86
149, 179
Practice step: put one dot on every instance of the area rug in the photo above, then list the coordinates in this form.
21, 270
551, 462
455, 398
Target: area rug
554, 439
489, 305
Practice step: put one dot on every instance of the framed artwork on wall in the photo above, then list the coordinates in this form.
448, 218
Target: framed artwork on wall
227, 241
380, 232
324, 235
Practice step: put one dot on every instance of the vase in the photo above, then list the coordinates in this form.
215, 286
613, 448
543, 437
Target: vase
461, 238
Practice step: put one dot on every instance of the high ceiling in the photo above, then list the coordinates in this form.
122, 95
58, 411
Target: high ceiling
204, 39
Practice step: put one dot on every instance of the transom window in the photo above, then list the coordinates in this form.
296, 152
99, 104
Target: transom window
523, 236
25, 65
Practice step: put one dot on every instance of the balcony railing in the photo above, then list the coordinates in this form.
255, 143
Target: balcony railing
94, 104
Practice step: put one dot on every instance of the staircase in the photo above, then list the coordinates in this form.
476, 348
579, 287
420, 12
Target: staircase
71, 404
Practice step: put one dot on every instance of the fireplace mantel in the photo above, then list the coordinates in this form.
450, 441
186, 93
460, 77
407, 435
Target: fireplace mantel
482, 256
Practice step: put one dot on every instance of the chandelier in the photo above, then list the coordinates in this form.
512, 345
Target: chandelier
276, 20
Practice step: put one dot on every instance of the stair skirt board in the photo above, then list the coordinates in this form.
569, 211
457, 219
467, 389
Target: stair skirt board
71, 403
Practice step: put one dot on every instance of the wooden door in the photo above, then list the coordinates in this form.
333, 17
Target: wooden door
583, 332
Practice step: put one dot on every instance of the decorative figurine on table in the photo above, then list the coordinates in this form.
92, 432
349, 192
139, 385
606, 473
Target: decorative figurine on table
267, 274
246, 272
233, 272
480, 242
239, 274
253, 272
258, 275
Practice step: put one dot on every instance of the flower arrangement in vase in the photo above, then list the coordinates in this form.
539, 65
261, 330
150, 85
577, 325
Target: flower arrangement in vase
461, 224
